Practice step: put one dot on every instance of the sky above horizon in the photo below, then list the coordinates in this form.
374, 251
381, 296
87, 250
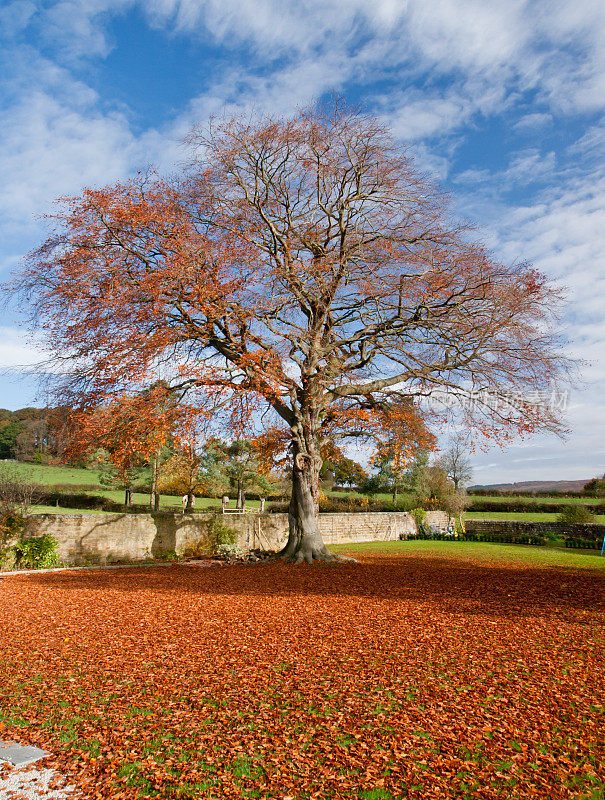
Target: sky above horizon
501, 102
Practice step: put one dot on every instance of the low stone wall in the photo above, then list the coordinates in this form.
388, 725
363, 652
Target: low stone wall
509, 527
106, 538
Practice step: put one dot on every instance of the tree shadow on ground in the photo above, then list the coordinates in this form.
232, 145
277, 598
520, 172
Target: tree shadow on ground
455, 587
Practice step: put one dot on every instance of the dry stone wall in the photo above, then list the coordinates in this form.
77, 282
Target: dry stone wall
107, 538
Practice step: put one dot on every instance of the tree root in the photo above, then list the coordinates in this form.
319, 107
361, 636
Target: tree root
309, 555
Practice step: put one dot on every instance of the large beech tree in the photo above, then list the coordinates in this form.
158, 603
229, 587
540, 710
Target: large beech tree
302, 266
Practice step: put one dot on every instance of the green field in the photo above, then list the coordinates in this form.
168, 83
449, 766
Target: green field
587, 501
66, 476
525, 516
50, 475
484, 553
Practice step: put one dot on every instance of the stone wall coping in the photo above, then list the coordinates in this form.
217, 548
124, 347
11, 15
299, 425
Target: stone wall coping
267, 514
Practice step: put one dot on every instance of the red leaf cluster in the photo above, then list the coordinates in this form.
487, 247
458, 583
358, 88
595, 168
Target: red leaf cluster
404, 676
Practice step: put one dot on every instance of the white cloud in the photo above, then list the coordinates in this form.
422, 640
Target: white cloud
16, 353
531, 122
56, 141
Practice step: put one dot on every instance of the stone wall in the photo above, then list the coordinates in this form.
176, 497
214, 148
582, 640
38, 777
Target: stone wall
106, 538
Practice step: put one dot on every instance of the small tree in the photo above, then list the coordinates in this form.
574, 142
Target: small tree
456, 462
434, 489
575, 515
391, 469
18, 493
180, 474
124, 437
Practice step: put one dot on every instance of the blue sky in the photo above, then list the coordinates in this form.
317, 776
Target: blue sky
502, 102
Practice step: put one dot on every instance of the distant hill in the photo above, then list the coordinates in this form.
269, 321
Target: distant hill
536, 486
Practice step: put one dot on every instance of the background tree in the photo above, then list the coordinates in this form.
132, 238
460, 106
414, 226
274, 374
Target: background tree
24, 434
436, 490
341, 470
349, 473
10, 428
124, 437
237, 466
455, 460
304, 266
595, 487
180, 474
391, 469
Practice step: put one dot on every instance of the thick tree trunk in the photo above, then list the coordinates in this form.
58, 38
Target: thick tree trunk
305, 542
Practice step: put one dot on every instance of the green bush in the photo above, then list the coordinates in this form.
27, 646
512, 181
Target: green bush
348, 505
419, 515
575, 515
520, 504
223, 540
36, 552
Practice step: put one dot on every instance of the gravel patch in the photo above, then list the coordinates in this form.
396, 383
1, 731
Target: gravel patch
33, 783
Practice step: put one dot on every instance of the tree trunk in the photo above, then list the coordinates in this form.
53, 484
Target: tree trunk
154, 486
156, 501
395, 495
128, 497
240, 496
189, 506
305, 542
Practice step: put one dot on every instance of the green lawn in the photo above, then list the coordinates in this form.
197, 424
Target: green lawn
538, 499
50, 475
521, 516
485, 553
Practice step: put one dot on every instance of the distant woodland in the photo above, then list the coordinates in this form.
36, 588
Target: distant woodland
25, 435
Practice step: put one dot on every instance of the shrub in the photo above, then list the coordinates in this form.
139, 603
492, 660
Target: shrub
36, 552
518, 504
583, 544
223, 540
575, 515
419, 515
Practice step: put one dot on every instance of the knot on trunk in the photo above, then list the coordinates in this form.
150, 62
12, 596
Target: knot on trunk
300, 459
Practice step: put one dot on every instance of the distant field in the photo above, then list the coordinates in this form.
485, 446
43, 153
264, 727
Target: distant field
526, 516
57, 475
53, 475
540, 499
